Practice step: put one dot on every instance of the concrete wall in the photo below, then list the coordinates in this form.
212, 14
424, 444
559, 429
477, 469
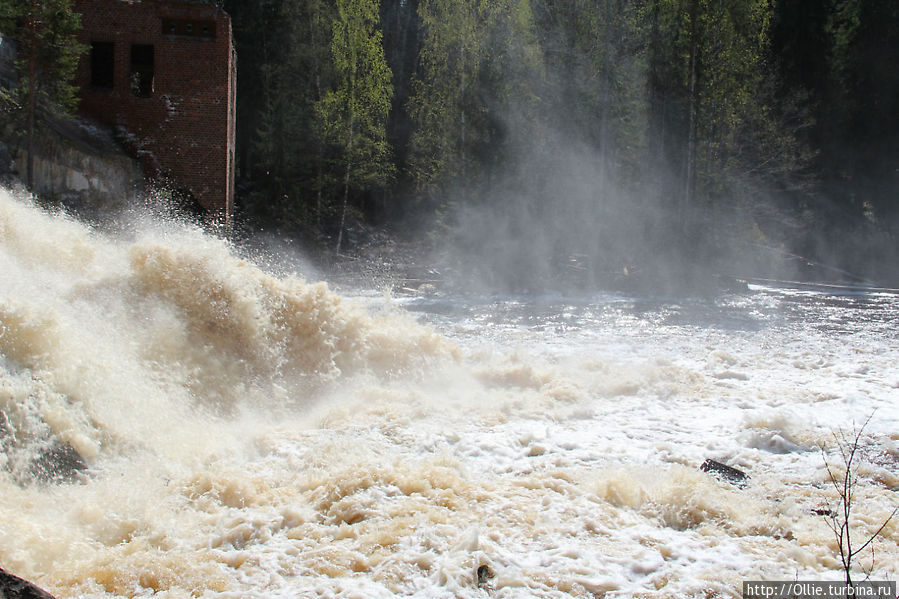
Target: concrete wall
81, 166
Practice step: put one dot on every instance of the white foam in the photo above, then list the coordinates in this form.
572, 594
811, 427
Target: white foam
253, 435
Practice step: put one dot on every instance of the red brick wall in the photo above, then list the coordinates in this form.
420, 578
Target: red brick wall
184, 131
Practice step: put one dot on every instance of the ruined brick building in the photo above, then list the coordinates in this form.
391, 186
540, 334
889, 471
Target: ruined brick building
163, 75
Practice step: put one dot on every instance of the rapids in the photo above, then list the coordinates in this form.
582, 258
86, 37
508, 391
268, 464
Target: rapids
253, 435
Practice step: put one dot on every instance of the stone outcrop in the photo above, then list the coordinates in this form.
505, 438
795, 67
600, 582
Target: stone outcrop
57, 462
13, 587
35, 458
79, 165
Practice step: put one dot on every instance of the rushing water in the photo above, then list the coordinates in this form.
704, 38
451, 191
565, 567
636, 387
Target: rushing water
248, 435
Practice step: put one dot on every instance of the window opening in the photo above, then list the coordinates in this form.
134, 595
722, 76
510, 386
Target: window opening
102, 64
141, 78
204, 30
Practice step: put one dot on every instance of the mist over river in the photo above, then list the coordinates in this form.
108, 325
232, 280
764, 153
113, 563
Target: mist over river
247, 434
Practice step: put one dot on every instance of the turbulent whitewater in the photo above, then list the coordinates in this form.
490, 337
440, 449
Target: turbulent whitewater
246, 434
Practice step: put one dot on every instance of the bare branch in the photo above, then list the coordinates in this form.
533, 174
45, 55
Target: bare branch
878, 531
844, 485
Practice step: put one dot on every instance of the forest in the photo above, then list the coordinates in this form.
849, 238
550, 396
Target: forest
530, 134
524, 139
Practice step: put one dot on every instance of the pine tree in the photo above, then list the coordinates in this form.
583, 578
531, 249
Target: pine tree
307, 75
595, 65
478, 68
442, 93
865, 51
260, 32
706, 78
48, 56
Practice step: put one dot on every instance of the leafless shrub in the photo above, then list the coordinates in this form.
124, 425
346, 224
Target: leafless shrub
845, 483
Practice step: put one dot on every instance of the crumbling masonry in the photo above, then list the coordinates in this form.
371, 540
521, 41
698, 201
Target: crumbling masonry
163, 75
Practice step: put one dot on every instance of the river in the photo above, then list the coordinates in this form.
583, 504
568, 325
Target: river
246, 434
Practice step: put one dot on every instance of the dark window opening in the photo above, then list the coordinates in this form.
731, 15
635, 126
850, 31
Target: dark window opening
102, 64
141, 78
185, 28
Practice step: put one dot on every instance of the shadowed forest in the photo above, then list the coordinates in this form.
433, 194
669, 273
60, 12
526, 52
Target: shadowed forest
530, 134
537, 140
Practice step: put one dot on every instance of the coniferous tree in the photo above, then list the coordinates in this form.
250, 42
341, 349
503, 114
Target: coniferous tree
260, 32
835, 62
479, 67
595, 63
309, 73
47, 58
732, 108
706, 70
288, 144
866, 48
402, 43
511, 81
443, 91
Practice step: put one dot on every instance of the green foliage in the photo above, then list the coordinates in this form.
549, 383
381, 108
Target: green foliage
707, 77
286, 139
835, 58
597, 67
353, 115
47, 57
46, 30
480, 62
700, 109
442, 100
866, 44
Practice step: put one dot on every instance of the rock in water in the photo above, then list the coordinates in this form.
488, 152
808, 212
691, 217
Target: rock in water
484, 576
59, 462
42, 459
13, 587
725, 472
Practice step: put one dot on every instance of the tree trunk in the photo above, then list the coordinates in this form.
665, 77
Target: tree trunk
462, 124
611, 17
349, 164
691, 123
319, 160
32, 42
713, 105
346, 199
